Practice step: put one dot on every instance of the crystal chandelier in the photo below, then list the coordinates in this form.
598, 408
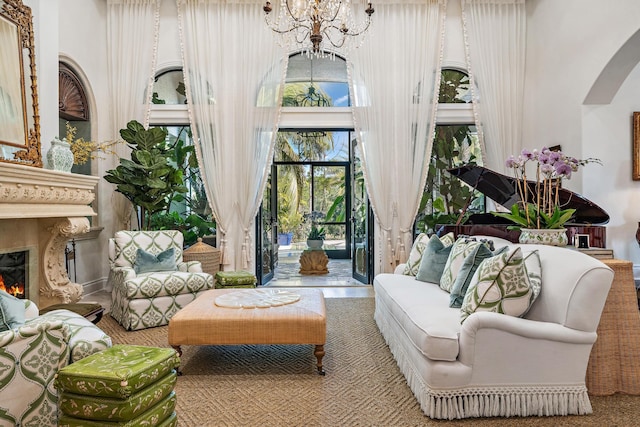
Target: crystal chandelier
312, 25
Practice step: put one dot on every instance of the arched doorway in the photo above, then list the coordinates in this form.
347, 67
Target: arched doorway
315, 179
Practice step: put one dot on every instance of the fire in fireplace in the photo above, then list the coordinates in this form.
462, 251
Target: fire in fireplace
14, 273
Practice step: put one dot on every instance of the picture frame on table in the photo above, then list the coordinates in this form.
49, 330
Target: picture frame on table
636, 146
581, 241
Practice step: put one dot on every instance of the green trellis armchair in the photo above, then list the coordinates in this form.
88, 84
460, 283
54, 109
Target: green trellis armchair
32, 353
150, 280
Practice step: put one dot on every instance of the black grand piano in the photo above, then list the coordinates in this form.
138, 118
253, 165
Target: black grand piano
589, 217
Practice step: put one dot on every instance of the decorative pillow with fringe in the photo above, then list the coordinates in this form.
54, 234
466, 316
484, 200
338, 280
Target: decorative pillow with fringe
534, 270
460, 250
415, 256
467, 270
501, 284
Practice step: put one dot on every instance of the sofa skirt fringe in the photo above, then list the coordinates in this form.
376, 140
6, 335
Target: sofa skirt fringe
473, 402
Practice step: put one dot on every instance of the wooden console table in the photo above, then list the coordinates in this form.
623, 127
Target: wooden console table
614, 364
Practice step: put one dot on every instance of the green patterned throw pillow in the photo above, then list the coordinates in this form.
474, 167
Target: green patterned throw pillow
147, 262
434, 258
415, 256
469, 266
501, 285
460, 250
534, 271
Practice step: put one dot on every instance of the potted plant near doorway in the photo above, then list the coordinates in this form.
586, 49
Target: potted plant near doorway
315, 239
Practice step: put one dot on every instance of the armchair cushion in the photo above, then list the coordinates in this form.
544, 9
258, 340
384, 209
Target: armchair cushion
11, 311
147, 262
85, 338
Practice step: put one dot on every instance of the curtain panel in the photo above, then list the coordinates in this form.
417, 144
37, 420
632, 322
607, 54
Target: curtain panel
495, 43
233, 73
395, 77
131, 68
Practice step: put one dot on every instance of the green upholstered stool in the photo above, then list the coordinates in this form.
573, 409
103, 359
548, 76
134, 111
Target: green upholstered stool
113, 409
160, 415
88, 310
123, 385
235, 279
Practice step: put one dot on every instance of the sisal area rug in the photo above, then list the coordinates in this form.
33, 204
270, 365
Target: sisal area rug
278, 385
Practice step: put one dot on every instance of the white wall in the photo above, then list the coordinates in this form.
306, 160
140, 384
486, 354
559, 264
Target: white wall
607, 134
569, 43
80, 39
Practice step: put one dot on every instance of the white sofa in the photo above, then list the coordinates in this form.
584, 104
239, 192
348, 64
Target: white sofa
494, 364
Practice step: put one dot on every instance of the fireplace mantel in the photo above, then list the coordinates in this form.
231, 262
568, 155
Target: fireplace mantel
45, 208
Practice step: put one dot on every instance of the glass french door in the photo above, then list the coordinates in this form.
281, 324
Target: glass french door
330, 207
266, 248
361, 224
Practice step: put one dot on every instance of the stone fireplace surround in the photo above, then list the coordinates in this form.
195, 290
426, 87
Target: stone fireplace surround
43, 208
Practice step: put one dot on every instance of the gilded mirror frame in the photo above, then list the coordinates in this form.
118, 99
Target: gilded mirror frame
19, 120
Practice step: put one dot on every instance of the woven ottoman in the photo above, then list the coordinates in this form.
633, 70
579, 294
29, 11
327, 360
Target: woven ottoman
203, 322
124, 385
235, 279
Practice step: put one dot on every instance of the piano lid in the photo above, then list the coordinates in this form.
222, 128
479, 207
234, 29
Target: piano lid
502, 189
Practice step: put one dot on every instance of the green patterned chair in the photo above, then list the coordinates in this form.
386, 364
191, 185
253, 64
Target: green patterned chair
149, 278
31, 355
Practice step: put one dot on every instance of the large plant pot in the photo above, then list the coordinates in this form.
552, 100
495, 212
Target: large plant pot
543, 236
314, 244
284, 239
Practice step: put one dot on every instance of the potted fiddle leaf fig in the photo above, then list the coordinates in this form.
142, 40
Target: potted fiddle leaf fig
149, 179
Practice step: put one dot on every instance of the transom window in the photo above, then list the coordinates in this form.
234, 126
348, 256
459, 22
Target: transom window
316, 82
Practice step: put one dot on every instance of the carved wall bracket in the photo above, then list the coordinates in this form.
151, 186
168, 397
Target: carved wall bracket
55, 285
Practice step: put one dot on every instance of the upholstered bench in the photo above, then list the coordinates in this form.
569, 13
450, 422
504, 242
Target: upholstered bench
124, 385
204, 322
235, 279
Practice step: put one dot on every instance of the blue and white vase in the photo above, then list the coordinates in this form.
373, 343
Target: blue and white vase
60, 156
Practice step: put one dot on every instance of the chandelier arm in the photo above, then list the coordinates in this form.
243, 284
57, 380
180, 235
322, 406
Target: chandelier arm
334, 44
339, 29
275, 29
297, 20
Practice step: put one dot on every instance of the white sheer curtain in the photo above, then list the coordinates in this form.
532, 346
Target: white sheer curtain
395, 74
132, 35
494, 32
233, 71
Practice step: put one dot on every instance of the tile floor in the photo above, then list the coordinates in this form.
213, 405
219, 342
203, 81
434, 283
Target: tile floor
337, 284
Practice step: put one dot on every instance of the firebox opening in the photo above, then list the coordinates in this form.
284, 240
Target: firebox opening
14, 273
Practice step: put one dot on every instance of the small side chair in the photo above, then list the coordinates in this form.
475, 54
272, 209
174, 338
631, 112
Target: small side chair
150, 280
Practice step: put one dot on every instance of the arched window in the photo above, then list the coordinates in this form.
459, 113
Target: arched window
455, 144
188, 212
316, 82
73, 111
